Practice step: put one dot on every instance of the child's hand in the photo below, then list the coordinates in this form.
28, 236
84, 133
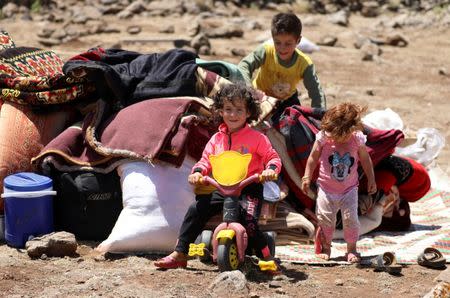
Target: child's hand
306, 185
268, 175
371, 187
195, 178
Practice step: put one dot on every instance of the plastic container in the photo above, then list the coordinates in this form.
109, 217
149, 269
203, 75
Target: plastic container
28, 199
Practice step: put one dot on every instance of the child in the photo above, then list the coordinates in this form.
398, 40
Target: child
338, 147
282, 66
235, 107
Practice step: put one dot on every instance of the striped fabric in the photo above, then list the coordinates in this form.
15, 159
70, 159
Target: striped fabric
430, 228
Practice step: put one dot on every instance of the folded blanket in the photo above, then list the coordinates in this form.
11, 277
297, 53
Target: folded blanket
129, 77
32, 76
152, 130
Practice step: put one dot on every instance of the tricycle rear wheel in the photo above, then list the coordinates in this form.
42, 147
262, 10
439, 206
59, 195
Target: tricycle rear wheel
206, 238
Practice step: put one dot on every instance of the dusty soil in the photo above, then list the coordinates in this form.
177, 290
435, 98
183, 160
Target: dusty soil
405, 79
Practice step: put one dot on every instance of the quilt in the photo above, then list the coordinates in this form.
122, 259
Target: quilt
430, 228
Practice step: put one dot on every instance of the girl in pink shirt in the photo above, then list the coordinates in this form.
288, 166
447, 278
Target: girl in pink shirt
234, 106
339, 145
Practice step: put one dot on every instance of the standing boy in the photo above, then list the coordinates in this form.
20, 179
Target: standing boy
282, 66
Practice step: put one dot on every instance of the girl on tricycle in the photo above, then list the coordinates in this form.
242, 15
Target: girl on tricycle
235, 107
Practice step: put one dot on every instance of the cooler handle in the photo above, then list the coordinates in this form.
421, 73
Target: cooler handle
29, 194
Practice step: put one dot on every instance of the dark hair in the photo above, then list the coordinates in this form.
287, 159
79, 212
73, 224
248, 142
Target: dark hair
233, 92
342, 119
286, 23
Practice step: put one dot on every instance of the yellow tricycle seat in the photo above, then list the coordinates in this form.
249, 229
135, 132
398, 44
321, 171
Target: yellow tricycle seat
230, 167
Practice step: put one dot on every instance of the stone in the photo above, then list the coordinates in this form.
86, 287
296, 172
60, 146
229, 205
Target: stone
340, 18
48, 42
238, 52
168, 29
328, 40
134, 29
58, 244
229, 282
370, 9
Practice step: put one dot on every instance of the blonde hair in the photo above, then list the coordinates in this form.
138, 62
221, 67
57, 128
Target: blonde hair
342, 120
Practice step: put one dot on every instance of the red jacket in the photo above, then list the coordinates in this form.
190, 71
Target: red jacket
246, 140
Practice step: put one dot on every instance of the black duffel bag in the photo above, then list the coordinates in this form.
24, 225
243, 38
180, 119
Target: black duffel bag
87, 204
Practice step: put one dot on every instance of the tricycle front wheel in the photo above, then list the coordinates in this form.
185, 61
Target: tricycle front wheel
227, 255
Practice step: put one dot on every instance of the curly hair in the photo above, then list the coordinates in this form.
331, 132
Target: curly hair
234, 92
286, 23
342, 120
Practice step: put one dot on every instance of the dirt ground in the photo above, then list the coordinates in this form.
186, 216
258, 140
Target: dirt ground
405, 79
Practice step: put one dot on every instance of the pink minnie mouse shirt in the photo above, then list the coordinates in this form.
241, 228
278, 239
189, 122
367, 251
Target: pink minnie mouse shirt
338, 172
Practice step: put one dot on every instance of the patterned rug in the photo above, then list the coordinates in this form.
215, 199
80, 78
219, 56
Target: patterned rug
430, 218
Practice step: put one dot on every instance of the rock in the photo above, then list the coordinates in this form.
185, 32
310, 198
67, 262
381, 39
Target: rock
331, 8
58, 244
370, 9
238, 52
26, 17
48, 42
370, 52
24, 10
225, 32
9, 10
109, 29
204, 50
397, 39
136, 7
73, 31
45, 32
340, 18
168, 29
443, 72
328, 40
199, 41
194, 29
59, 33
134, 29
95, 27
179, 43
274, 284
360, 41
230, 282
339, 282
108, 2
124, 14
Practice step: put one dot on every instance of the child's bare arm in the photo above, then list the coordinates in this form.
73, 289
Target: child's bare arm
311, 165
366, 163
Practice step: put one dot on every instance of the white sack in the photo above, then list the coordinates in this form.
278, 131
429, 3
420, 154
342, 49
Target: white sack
427, 147
383, 119
155, 200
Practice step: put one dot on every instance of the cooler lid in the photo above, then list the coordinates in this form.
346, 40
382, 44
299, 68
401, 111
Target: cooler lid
27, 181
